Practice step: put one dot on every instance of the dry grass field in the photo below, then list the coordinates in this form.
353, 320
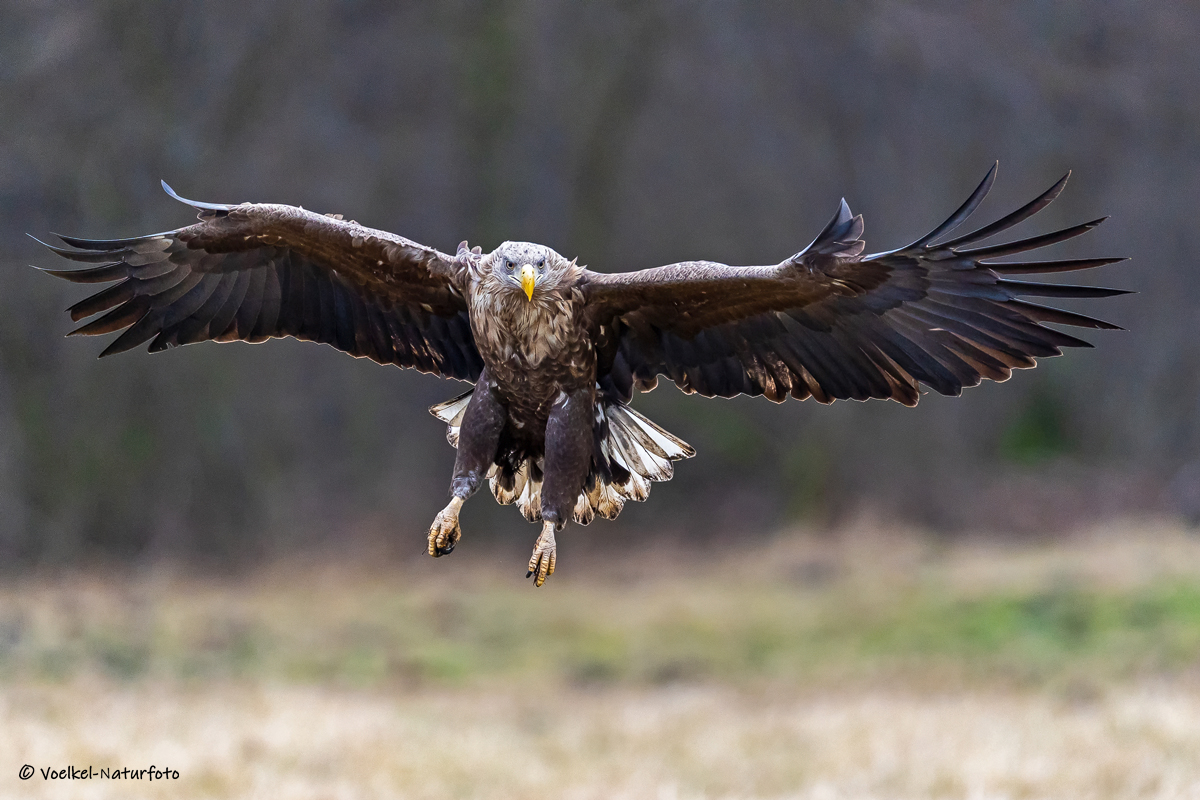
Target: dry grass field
866, 664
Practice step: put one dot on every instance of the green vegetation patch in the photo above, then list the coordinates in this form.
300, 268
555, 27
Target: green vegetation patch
367, 632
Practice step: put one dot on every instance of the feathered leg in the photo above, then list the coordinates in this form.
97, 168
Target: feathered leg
479, 436
569, 445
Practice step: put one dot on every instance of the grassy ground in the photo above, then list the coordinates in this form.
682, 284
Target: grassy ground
867, 664
698, 741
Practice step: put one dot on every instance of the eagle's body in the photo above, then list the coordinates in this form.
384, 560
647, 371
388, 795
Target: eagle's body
532, 348
556, 351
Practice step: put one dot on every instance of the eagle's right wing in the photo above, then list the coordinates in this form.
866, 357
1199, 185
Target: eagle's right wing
251, 272
831, 324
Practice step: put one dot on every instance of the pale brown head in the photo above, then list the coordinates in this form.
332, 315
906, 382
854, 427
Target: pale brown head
530, 269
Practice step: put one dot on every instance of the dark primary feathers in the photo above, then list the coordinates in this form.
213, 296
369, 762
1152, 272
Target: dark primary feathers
830, 324
250, 272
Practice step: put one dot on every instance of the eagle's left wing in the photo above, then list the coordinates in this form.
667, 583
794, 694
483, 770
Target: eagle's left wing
831, 324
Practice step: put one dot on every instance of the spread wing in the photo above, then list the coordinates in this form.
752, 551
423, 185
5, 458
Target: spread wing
251, 272
831, 324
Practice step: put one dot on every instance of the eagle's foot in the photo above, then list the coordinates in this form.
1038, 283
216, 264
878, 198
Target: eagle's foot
541, 563
445, 532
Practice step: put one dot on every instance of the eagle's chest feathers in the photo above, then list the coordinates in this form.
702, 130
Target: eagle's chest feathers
520, 331
536, 345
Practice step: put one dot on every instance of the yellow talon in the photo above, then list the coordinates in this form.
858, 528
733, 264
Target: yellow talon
541, 563
445, 532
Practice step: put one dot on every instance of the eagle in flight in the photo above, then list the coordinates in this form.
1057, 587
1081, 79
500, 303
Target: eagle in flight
556, 351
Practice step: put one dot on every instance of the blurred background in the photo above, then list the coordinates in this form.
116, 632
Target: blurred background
627, 134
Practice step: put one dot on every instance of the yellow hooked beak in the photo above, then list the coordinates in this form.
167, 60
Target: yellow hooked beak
527, 278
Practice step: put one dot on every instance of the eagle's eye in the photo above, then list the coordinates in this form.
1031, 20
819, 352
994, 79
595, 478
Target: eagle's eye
541, 262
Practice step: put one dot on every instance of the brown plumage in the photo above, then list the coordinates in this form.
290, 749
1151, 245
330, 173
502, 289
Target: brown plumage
556, 351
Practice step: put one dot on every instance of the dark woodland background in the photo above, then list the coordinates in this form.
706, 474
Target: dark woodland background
629, 135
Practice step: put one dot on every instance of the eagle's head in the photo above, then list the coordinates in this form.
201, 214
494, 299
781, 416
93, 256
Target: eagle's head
530, 269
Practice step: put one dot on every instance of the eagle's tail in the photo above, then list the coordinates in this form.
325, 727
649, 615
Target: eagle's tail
630, 453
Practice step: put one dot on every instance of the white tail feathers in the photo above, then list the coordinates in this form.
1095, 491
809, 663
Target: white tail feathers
637, 445
451, 412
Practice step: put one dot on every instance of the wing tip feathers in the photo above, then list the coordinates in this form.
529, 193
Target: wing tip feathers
193, 203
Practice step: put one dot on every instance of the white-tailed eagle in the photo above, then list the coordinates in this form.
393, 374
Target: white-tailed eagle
556, 351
